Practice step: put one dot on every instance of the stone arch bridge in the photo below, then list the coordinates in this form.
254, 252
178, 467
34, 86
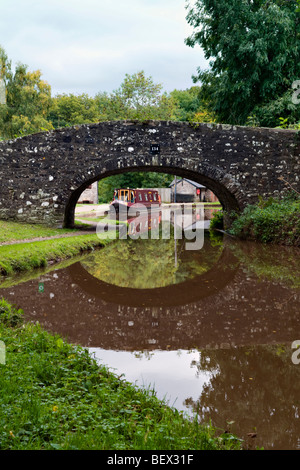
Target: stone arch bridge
42, 175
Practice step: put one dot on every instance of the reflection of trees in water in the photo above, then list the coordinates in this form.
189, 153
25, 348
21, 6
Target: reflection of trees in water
275, 263
257, 388
150, 263
143, 354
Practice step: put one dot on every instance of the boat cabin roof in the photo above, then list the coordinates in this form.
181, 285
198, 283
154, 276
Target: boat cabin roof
136, 189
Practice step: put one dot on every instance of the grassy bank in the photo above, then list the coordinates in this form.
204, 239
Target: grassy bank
272, 221
55, 396
26, 256
14, 231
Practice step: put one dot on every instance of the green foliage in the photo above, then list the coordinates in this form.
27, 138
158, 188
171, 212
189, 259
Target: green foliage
254, 53
270, 114
285, 124
69, 110
9, 315
217, 221
272, 221
137, 98
28, 99
188, 103
30, 108
190, 106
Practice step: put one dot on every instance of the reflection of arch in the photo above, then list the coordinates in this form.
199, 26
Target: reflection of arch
200, 287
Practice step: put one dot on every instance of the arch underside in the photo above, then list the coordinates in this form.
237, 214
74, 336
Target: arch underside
221, 184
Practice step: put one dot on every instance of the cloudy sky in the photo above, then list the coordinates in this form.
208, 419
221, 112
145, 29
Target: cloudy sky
87, 46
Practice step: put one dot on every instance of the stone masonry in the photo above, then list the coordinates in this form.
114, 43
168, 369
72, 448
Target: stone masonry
43, 175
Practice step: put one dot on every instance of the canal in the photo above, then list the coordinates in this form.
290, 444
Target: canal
211, 330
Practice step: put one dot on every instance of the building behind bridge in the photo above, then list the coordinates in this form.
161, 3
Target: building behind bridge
190, 191
89, 195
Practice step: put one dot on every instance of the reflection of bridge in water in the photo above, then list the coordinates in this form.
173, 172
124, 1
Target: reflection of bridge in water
226, 305
192, 290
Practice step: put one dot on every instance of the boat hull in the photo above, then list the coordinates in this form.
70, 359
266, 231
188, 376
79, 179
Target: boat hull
124, 207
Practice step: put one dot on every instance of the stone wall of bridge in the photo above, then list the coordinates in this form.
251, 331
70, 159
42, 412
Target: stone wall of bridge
43, 175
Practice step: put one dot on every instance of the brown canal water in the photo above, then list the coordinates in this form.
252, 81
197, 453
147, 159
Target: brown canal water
210, 330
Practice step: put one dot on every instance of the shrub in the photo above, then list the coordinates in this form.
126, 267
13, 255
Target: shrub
9, 315
270, 221
217, 222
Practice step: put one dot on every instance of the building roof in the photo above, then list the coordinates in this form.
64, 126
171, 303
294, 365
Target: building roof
197, 185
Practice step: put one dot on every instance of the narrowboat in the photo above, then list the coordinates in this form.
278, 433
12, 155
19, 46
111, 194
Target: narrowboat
123, 199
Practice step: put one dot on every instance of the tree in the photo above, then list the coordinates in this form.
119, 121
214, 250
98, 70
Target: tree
137, 98
69, 110
28, 99
190, 107
254, 52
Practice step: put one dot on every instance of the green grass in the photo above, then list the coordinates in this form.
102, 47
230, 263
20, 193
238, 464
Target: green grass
212, 204
53, 395
14, 231
103, 219
81, 225
25, 256
88, 219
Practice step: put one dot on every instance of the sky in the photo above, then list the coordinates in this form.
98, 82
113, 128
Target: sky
87, 46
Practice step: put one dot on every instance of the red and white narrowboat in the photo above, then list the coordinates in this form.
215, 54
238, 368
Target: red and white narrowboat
139, 198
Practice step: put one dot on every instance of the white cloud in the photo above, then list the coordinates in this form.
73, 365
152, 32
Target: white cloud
86, 47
